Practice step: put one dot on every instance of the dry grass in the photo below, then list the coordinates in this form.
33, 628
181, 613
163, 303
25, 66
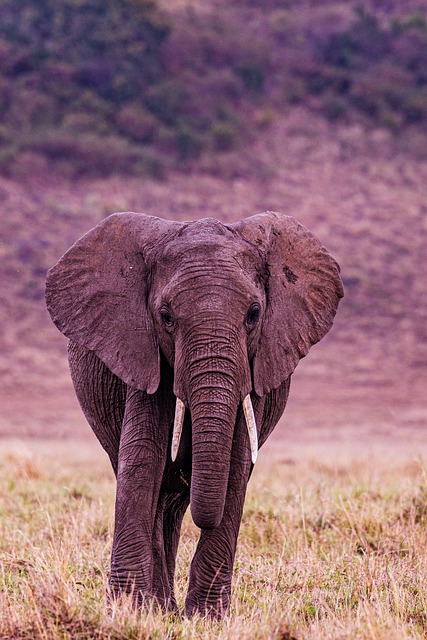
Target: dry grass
326, 551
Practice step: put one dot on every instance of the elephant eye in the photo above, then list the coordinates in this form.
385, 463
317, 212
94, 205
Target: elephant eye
253, 315
166, 317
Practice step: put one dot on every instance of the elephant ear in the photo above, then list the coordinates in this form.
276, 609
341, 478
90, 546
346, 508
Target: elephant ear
97, 295
303, 288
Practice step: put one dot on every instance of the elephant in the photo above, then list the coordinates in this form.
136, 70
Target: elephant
183, 337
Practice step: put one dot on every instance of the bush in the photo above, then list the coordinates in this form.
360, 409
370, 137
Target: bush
189, 145
92, 156
385, 71
252, 75
414, 106
407, 23
135, 122
81, 74
223, 135
165, 101
334, 108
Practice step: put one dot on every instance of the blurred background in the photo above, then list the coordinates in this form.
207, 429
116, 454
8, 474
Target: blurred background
193, 108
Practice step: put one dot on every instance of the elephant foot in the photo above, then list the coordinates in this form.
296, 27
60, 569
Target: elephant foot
206, 607
140, 599
118, 594
166, 605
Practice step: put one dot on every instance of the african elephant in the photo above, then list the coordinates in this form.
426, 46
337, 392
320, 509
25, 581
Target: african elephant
183, 338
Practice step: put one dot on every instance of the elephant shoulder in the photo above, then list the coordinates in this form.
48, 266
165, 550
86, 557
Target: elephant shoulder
88, 371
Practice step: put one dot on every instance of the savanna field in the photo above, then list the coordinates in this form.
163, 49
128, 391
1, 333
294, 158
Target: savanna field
328, 549
319, 113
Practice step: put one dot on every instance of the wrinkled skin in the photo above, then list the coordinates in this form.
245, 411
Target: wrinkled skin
207, 313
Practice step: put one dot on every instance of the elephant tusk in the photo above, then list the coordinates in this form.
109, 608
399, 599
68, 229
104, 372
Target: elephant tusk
177, 427
251, 424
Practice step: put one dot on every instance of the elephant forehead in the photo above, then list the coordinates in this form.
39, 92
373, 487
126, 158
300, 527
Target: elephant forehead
207, 273
208, 251
205, 227
197, 282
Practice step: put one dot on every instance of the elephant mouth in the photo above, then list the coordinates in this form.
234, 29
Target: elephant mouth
248, 412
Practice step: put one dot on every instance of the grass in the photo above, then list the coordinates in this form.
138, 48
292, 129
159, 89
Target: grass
326, 551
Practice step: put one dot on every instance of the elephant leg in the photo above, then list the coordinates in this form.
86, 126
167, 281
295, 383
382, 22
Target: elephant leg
212, 566
170, 512
141, 461
102, 397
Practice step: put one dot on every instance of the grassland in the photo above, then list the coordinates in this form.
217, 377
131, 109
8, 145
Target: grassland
329, 548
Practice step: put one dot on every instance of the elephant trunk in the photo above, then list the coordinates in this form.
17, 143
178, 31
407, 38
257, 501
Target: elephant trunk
212, 376
213, 416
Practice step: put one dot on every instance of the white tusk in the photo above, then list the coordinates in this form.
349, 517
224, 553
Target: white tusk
177, 427
248, 410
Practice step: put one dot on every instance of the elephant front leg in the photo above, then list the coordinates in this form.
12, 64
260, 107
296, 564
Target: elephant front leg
170, 512
212, 566
142, 453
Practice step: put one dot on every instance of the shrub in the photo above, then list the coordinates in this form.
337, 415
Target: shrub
414, 107
252, 75
92, 156
223, 135
122, 72
165, 101
135, 122
265, 117
365, 38
334, 108
188, 143
411, 21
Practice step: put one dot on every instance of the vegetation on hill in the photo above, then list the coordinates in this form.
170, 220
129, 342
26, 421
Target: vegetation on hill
103, 86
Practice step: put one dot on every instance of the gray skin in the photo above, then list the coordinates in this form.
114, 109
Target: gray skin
208, 313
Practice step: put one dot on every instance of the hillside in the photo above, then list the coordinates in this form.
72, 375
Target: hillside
265, 77
96, 87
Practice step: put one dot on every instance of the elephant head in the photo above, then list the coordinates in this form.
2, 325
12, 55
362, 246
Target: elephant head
231, 307
216, 315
